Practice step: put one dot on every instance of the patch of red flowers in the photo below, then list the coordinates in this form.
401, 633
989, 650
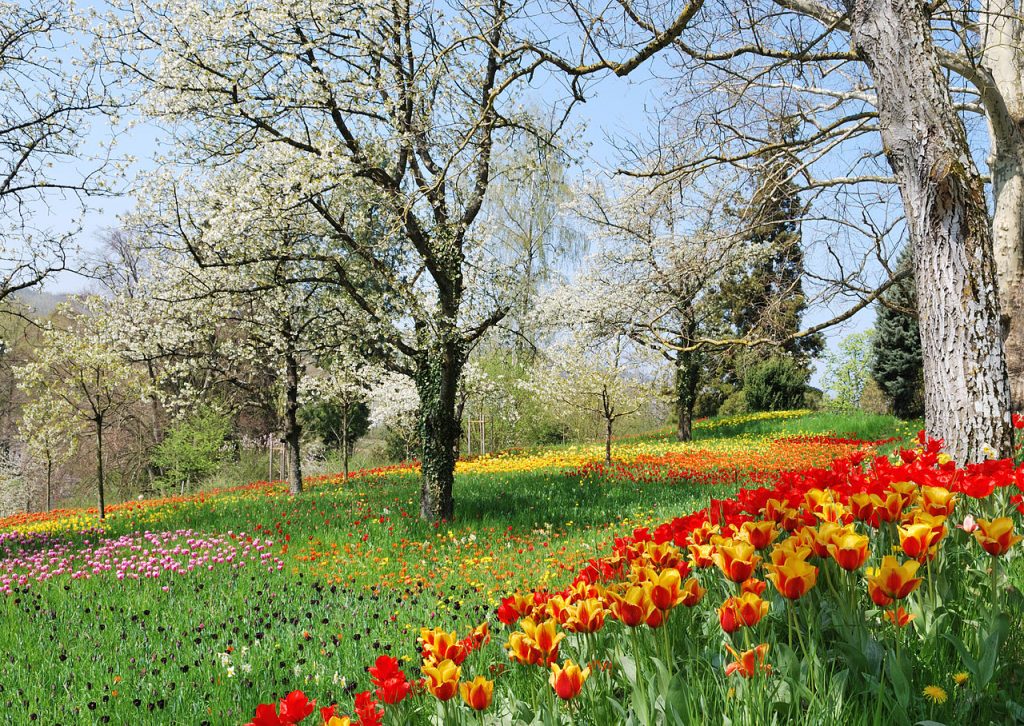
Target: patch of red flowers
296, 706
389, 680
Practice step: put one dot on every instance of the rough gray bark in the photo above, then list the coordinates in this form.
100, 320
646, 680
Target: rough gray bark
438, 372
1002, 91
966, 389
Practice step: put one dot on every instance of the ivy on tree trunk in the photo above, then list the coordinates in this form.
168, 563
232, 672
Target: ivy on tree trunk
437, 374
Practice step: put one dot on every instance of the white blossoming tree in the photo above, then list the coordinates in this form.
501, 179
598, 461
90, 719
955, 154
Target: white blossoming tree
372, 128
82, 383
662, 250
605, 377
49, 93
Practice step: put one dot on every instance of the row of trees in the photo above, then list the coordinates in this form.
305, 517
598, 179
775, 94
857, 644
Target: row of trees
351, 153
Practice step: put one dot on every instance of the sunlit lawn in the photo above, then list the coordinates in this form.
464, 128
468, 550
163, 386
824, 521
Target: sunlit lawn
358, 574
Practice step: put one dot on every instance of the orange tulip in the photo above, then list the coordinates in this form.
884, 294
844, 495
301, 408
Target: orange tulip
743, 611
775, 510
692, 593
863, 504
893, 580
916, 539
937, 501
815, 499
568, 680
702, 555
906, 489
749, 662
660, 555
878, 596
898, 617
523, 650
586, 616
665, 589
633, 608
442, 679
849, 549
793, 577
753, 585
439, 645
702, 535
823, 537
556, 607
477, 693
759, 534
996, 536
890, 508
834, 512
795, 546
736, 559
545, 636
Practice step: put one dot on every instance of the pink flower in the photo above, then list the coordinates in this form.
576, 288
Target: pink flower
969, 524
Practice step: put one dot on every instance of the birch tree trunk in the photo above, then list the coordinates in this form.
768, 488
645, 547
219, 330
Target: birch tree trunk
1002, 93
967, 394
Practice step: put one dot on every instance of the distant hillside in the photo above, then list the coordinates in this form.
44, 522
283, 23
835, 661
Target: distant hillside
41, 303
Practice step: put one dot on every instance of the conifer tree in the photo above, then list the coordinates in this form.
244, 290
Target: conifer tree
897, 365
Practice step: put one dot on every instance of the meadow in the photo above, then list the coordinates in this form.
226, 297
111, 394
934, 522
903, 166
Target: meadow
197, 609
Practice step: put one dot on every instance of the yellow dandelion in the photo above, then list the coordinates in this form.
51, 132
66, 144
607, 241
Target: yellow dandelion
961, 678
935, 694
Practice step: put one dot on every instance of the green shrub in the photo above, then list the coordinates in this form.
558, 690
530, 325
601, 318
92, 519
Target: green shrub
778, 384
193, 449
734, 404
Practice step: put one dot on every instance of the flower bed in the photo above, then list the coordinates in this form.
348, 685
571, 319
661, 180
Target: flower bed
873, 590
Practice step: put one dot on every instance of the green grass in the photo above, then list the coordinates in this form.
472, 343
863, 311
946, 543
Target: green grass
362, 574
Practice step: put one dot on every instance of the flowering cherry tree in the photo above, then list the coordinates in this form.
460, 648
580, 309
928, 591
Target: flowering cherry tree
50, 91
662, 250
374, 126
81, 382
608, 378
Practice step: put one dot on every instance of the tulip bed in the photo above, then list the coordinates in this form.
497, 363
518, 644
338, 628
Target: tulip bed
894, 598
520, 610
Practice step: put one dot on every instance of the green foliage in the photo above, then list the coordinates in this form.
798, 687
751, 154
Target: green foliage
775, 385
193, 449
847, 370
897, 364
767, 296
327, 421
734, 404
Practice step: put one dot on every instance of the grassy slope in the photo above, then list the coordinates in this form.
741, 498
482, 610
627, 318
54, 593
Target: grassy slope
362, 574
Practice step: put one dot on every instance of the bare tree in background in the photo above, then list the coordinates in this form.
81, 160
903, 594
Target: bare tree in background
47, 95
897, 71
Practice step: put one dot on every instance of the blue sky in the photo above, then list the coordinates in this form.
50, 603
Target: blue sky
616, 110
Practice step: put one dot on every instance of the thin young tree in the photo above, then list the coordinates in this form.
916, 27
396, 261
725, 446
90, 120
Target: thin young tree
80, 380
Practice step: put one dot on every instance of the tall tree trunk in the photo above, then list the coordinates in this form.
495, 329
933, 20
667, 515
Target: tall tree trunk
609, 420
966, 389
49, 481
437, 380
99, 467
292, 431
344, 437
687, 381
1002, 93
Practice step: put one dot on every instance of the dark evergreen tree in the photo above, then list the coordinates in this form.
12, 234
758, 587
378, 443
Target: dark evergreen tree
767, 298
897, 365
